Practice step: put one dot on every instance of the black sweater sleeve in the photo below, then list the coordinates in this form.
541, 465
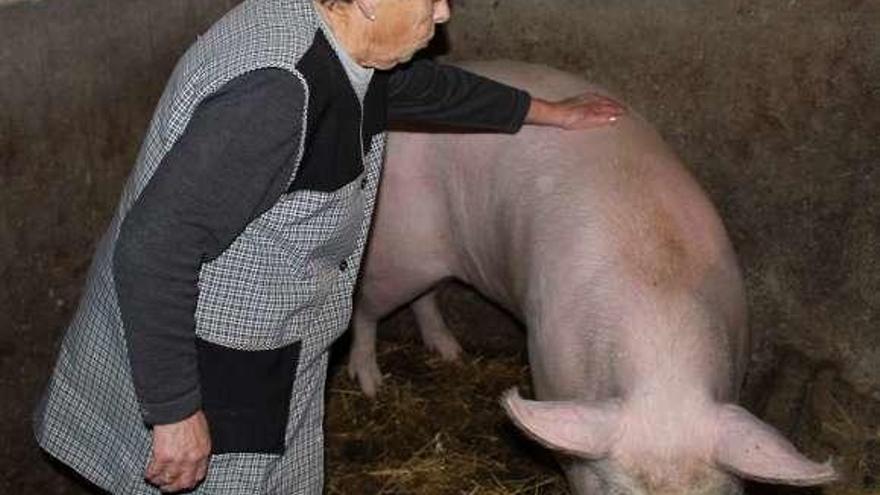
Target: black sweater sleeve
230, 165
424, 91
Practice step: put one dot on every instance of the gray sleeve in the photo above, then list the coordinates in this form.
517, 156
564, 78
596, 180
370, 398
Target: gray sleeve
230, 165
427, 92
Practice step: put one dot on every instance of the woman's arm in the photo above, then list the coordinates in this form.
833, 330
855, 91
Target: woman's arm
230, 165
427, 92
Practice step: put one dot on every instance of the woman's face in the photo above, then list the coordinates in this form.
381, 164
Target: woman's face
403, 27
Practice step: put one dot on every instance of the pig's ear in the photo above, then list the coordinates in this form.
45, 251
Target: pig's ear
750, 448
586, 430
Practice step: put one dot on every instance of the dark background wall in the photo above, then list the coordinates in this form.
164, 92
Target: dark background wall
775, 105
78, 83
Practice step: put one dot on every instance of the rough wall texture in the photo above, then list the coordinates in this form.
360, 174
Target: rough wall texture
774, 104
78, 82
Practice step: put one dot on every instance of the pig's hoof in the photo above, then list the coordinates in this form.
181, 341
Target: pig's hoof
445, 345
370, 384
368, 376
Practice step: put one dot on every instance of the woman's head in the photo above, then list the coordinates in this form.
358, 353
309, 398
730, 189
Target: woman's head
384, 33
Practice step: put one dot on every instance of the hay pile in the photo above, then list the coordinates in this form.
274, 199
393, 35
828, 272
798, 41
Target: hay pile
435, 428
418, 438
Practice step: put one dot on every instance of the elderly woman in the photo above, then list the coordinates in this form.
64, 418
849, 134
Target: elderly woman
198, 355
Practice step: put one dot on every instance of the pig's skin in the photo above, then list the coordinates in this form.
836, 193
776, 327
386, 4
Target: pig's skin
606, 248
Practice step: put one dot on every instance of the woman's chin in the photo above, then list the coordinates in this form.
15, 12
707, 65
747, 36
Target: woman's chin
387, 65
391, 63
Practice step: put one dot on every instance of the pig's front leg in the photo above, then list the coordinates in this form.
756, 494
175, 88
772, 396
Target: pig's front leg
435, 333
362, 363
388, 283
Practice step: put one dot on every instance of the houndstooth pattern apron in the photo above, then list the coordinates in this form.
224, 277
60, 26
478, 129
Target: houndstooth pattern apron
278, 283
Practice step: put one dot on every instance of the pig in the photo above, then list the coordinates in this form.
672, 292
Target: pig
609, 252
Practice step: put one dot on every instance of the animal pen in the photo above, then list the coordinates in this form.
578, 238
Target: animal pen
773, 105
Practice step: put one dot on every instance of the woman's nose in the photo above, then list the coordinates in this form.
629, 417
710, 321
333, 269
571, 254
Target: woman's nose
441, 11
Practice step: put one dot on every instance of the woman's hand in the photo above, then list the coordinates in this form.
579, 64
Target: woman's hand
579, 112
181, 452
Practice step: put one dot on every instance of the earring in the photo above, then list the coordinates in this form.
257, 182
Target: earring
367, 12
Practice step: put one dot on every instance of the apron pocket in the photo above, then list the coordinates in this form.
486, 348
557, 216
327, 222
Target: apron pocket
246, 396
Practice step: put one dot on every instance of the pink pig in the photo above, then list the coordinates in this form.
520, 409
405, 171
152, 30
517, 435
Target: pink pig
603, 244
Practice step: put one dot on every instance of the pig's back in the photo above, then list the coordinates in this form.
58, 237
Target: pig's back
613, 195
539, 80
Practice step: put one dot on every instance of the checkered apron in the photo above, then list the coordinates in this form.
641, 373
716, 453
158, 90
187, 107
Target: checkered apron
278, 283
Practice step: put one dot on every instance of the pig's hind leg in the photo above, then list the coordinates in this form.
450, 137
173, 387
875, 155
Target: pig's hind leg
435, 333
